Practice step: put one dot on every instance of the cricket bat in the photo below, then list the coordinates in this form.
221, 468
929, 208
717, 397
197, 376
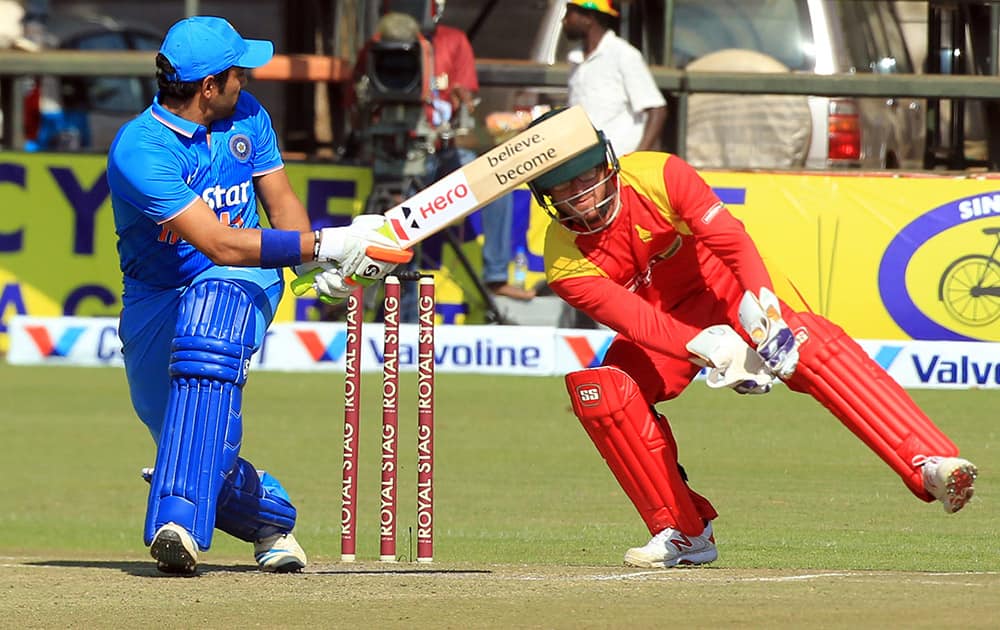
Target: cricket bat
503, 168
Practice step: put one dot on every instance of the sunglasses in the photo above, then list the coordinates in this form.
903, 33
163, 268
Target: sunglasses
585, 177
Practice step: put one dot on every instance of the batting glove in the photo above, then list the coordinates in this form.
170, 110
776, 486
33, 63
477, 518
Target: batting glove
324, 278
367, 247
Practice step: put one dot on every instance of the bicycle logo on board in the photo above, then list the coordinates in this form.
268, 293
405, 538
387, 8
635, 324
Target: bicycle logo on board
970, 286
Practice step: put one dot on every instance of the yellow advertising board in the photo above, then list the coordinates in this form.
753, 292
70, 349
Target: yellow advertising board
887, 257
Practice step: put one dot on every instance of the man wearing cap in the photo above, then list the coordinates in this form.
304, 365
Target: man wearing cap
612, 82
202, 280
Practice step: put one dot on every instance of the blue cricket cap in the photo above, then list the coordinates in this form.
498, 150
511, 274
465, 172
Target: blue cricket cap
202, 45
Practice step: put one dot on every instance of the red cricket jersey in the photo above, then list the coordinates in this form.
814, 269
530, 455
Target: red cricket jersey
673, 259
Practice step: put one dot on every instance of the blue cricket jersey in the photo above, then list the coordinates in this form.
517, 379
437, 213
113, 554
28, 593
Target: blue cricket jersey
160, 163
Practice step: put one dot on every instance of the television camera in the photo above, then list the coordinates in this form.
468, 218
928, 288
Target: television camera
406, 133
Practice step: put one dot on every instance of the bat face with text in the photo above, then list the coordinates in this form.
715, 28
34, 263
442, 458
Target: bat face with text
500, 170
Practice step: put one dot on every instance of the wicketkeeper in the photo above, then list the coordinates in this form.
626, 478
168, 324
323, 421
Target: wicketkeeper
643, 246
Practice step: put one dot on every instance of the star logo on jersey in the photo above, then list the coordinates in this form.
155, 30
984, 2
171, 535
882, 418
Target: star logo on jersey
644, 235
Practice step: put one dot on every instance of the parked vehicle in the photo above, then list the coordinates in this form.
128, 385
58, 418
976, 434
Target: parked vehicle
804, 36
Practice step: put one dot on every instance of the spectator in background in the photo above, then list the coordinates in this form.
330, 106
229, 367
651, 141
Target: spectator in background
62, 122
614, 86
613, 82
457, 85
55, 116
12, 31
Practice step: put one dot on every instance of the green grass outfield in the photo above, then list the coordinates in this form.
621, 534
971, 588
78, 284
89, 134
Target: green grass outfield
814, 530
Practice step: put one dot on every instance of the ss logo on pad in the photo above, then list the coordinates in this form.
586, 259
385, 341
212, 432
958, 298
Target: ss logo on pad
589, 395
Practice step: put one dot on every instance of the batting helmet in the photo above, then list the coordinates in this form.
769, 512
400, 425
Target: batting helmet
597, 154
600, 6
604, 210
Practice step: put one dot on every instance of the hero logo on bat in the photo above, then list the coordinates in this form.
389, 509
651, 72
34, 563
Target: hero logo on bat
447, 200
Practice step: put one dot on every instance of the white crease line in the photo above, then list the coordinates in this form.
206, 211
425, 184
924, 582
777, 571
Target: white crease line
692, 575
791, 578
629, 576
683, 574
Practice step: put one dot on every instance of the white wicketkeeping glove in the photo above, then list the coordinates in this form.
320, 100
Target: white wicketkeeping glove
731, 362
366, 248
760, 317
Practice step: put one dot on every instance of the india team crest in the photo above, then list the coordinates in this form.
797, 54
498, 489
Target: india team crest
239, 146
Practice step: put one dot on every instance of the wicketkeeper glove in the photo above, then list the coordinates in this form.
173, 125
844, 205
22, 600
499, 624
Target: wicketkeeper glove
731, 362
760, 317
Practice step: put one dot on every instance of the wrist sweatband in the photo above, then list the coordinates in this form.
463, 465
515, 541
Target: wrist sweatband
280, 248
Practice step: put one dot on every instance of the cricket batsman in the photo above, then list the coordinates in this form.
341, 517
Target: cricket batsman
643, 246
202, 281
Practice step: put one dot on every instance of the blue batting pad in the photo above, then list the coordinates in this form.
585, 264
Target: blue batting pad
253, 505
202, 427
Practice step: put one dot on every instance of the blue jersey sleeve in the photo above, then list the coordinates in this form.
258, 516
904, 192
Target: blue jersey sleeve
149, 178
267, 156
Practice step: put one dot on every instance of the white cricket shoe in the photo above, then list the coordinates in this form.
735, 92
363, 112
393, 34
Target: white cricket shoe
670, 548
174, 550
949, 480
280, 553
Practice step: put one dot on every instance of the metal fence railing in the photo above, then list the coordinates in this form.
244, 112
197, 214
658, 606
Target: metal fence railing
502, 73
